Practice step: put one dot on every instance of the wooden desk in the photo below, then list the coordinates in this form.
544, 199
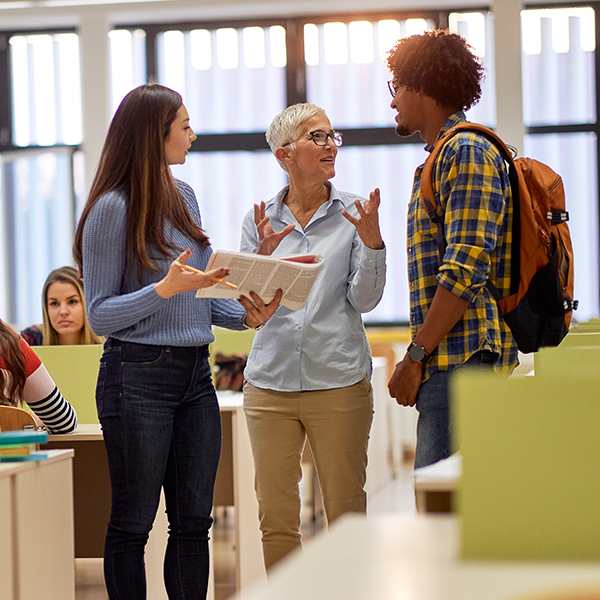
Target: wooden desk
91, 487
413, 558
250, 567
36, 529
234, 487
436, 485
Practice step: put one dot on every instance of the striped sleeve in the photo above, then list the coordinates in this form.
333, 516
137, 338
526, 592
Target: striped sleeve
44, 398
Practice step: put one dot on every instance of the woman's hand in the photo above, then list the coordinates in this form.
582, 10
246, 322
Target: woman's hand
257, 312
268, 240
368, 224
179, 280
39, 424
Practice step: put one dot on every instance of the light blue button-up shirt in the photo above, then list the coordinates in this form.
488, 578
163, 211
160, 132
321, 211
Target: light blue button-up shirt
323, 345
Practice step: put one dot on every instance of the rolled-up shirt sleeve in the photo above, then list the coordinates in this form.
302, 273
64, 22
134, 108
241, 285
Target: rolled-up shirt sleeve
473, 219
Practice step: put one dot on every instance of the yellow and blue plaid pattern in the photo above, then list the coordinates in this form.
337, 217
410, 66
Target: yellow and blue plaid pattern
471, 185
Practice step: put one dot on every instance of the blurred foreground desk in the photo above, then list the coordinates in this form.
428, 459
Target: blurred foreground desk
36, 529
390, 557
234, 487
436, 485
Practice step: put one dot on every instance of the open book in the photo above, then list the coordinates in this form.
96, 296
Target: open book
293, 273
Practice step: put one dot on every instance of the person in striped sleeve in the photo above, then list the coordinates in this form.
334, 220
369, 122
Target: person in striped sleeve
23, 378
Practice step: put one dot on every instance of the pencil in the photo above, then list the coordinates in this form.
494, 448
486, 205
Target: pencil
231, 285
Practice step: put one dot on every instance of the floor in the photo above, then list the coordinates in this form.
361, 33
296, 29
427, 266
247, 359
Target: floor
396, 496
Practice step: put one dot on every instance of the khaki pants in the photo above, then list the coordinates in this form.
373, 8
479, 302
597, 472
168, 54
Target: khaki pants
337, 423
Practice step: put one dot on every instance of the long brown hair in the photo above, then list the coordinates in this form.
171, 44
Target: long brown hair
133, 161
50, 335
11, 384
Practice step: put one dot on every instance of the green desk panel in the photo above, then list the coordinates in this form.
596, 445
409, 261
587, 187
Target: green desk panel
530, 448
75, 372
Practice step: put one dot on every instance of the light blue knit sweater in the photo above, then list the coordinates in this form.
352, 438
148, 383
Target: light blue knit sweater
121, 306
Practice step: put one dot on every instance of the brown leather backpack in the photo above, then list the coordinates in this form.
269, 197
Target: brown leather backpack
539, 307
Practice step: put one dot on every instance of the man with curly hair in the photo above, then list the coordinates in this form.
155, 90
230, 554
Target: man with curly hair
455, 321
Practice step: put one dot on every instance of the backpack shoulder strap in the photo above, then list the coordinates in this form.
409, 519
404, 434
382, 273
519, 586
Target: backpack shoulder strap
435, 212
427, 193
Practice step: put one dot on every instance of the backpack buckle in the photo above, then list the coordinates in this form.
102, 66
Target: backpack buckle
557, 216
433, 216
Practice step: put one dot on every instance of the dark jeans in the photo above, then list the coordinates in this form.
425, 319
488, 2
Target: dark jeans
161, 425
435, 415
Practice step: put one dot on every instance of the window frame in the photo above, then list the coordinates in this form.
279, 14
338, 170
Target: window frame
9, 150
296, 88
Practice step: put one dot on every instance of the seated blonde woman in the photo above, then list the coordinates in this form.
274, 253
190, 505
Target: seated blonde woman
65, 319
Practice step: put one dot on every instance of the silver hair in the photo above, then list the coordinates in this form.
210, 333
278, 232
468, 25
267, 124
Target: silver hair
286, 126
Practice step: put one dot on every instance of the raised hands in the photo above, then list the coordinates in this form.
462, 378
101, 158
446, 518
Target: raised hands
268, 240
367, 225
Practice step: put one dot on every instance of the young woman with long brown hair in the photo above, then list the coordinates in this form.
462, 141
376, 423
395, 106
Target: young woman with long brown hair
155, 398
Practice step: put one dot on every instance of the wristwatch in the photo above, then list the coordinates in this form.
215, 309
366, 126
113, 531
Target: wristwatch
417, 353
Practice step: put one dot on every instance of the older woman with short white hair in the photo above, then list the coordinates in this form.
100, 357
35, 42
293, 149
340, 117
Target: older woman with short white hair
308, 374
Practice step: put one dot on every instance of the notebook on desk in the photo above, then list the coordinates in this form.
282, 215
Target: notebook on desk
75, 372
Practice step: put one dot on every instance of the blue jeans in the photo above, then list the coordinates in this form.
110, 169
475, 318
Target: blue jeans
162, 429
435, 415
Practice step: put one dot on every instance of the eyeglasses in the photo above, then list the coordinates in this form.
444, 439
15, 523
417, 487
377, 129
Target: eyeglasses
320, 138
392, 87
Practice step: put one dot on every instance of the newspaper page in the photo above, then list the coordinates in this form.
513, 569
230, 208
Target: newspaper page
295, 274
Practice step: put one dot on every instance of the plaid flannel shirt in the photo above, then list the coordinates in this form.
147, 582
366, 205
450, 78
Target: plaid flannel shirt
471, 184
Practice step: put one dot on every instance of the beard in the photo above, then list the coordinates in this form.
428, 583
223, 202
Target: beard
403, 131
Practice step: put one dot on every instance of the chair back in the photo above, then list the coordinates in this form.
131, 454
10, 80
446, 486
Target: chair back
13, 418
385, 349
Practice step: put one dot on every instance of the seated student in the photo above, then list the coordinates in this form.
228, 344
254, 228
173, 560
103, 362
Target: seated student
65, 318
23, 378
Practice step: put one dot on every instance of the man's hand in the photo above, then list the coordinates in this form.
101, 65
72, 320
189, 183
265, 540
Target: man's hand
368, 224
268, 240
405, 381
445, 311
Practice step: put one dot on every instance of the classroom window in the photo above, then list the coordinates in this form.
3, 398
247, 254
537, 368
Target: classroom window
391, 169
46, 89
345, 70
558, 66
574, 157
478, 29
39, 220
127, 62
227, 185
231, 80
234, 80
40, 174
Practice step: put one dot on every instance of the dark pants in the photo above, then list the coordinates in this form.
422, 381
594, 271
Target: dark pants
161, 425
435, 415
